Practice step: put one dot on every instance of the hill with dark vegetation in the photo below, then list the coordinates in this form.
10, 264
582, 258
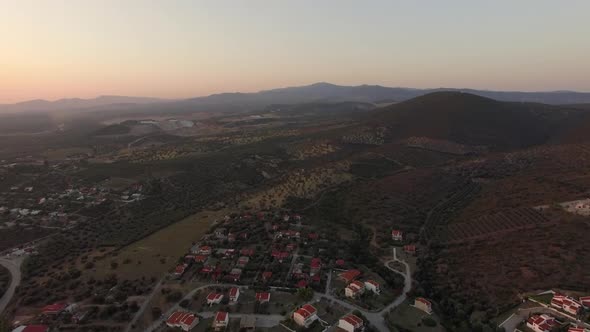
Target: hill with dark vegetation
473, 120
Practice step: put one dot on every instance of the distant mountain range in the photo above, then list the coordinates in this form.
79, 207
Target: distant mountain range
318, 92
69, 104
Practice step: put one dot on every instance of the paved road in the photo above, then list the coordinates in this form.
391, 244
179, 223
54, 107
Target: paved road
376, 318
144, 305
13, 265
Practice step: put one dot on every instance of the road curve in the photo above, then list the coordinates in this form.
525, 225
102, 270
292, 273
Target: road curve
13, 265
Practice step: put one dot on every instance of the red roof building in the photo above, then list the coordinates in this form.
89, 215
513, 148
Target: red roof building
397, 235
313, 236
201, 258
221, 321
247, 252
301, 283
349, 275
234, 294
350, 323
340, 262
263, 297
410, 249
214, 298
305, 316
423, 304
185, 320
54, 309
585, 301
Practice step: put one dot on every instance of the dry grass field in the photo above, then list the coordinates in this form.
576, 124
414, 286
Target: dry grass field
155, 255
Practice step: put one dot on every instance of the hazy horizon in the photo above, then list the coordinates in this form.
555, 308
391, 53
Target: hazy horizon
182, 49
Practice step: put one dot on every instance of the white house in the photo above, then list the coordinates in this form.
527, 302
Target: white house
372, 286
214, 298
423, 304
305, 316
185, 320
541, 323
350, 323
234, 294
354, 289
221, 321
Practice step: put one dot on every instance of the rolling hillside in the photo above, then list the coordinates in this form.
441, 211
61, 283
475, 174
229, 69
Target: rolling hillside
473, 120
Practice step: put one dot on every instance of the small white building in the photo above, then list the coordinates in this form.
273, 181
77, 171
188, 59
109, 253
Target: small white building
397, 235
234, 294
221, 321
423, 304
350, 323
214, 298
305, 316
354, 289
373, 286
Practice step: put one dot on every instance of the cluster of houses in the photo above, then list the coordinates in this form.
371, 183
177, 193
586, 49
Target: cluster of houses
186, 321
541, 323
355, 287
272, 238
569, 304
30, 206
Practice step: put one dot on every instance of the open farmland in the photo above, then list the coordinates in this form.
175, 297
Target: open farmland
153, 255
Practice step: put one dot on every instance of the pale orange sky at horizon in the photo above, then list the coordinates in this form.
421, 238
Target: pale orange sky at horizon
53, 49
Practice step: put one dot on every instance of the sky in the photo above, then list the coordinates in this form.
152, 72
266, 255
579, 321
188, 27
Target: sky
51, 49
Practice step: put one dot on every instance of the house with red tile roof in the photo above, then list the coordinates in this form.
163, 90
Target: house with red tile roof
301, 283
305, 316
200, 258
214, 298
280, 255
315, 266
263, 297
234, 294
565, 303
397, 235
585, 301
410, 249
350, 323
313, 236
423, 304
354, 289
179, 270
340, 262
184, 320
220, 321
577, 329
205, 250
541, 323
373, 286
54, 309
349, 276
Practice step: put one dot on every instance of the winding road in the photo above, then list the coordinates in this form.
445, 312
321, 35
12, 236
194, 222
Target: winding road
375, 318
13, 265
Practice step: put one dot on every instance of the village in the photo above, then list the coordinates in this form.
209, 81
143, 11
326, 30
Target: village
28, 202
262, 271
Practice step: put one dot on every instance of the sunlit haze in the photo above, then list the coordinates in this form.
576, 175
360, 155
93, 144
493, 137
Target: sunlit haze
176, 49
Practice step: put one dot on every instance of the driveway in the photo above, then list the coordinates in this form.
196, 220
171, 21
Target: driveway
13, 265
